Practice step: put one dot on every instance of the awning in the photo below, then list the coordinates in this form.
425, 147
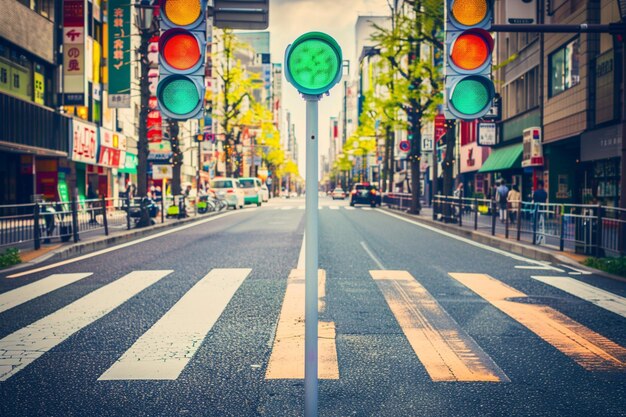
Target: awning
509, 157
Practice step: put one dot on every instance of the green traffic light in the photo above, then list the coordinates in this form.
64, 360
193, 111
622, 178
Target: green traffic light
180, 96
471, 96
313, 63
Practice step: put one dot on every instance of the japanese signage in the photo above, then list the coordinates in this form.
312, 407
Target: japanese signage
119, 53
154, 121
487, 134
521, 12
84, 142
533, 153
427, 137
112, 151
74, 61
40, 88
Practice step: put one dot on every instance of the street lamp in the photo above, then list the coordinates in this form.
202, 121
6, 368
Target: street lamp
144, 19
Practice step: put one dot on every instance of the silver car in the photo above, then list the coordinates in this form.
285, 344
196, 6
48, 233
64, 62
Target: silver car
229, 190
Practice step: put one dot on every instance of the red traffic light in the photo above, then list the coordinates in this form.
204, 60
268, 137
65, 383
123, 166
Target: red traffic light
180, 50
471, 50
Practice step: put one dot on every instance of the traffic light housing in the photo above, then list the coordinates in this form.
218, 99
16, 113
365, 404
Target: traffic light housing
313, 63
182, 48
468, 86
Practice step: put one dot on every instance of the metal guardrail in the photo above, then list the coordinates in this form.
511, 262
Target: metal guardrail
587, 229
47, 222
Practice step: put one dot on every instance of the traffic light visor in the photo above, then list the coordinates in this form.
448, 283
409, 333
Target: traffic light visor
182, 12
314, 63
180, 49
179, 95
469, 12
471, 96
471, 50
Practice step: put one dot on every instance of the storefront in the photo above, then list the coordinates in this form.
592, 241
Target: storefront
506, 163
600, 151
562, 173
471, 159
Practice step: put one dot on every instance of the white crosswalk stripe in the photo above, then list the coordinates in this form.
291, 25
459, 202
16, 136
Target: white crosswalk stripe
44, 286
597, 296
24, 346
164, 350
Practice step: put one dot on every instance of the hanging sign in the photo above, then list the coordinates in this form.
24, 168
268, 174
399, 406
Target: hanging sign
487, 134
84, 142
74, 62
119, 53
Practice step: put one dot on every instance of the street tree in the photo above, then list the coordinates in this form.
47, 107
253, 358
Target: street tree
417, 81
234, 92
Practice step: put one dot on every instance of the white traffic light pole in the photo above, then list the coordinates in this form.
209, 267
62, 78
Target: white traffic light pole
323, 59
311, 260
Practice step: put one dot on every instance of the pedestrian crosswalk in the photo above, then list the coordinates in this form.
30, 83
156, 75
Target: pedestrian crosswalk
438, 339
303, 207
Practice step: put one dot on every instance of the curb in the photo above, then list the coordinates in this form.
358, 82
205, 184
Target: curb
528, 251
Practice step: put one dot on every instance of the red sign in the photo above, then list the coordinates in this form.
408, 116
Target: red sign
404, 145
440, 127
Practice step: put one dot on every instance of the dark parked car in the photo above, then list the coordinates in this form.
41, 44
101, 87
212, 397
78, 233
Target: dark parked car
365, 193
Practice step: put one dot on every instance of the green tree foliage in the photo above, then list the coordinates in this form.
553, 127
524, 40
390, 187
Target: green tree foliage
415, 82
237, 85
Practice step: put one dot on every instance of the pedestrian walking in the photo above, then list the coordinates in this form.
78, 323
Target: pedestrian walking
513, 198
92, 196
501, 193
540, 195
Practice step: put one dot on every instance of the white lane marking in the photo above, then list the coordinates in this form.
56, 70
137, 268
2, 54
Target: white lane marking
166, 348
465, 240
535, 267
301, 257
349, 208
333, 207
580, 271
27, 344
594, 295
367, 208
287, 208
124, 245
301, 207
20, 295
374, 258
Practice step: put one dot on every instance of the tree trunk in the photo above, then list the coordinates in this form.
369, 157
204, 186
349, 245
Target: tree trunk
415, 156
448, 165
385, 174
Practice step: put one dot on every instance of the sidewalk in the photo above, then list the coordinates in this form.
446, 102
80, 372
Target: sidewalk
546, 253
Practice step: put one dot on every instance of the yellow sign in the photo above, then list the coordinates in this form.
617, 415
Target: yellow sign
40, 88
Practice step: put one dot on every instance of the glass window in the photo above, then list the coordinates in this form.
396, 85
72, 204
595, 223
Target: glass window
246, 183
221, 184
564, 67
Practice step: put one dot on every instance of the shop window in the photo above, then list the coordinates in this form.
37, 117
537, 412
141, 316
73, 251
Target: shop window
564, 67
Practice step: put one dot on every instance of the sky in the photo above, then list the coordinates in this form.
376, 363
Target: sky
289, 19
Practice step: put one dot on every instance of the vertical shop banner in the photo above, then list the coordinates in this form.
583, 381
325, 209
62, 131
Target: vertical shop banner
112, 149
84, 142
154, 121
119, 53
74, 61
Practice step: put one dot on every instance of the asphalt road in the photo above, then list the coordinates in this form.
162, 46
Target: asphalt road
203, 321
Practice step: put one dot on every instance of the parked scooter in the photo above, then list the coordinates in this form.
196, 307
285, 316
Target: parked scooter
152, 211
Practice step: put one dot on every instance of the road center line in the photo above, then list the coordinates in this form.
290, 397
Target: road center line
589, 349
374, 258
594, 295
124, 245
28, 292
24, 346
167, 347
447, 352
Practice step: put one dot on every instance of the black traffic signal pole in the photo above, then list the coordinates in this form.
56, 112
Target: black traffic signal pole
613, 29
